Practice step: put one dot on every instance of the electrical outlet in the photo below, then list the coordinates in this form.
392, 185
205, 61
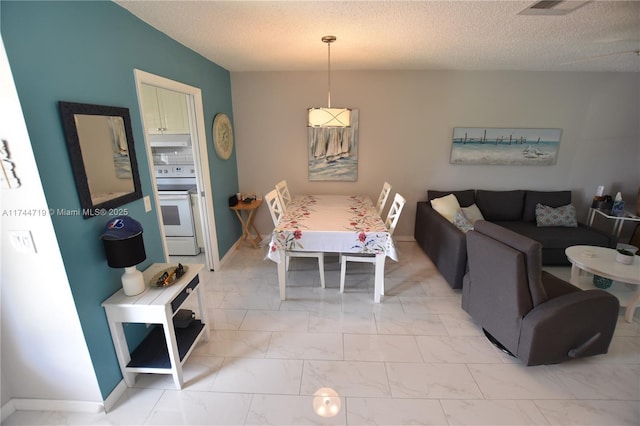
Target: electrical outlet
22, 241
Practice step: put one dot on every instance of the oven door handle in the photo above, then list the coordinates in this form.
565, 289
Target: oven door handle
174, 197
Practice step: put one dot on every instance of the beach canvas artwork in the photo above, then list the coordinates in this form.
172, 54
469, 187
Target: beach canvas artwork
509, 146
333, 152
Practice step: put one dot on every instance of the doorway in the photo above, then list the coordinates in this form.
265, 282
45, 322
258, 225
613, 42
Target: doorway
205, 218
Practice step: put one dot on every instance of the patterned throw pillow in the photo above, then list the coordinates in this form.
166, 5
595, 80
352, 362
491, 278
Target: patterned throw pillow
561, 216
461, 221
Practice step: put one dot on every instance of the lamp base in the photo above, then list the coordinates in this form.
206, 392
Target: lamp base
132, 281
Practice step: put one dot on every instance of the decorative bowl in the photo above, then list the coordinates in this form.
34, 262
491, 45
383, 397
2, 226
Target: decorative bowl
168, 276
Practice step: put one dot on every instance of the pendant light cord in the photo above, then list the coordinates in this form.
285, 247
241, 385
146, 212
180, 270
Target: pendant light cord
329, 73
329, 40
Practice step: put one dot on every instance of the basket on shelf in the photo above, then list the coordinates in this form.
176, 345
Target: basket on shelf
602, 282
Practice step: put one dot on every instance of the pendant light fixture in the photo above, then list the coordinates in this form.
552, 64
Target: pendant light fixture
329, 117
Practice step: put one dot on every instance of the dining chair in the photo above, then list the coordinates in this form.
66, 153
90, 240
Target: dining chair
390, 223
382, 199
284, 194
275, 206
276, 210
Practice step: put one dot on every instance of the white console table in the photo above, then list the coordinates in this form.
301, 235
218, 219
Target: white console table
166, 348
619, 220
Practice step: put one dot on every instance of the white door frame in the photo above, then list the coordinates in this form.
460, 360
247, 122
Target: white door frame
200, 157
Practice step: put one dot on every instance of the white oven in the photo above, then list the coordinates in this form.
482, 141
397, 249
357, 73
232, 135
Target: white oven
175, 186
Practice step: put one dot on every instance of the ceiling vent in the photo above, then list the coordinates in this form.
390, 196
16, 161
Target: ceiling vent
553, 8
546, 4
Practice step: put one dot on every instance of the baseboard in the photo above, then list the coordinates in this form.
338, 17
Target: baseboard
20, 404
115, 395
230, 253
7, 409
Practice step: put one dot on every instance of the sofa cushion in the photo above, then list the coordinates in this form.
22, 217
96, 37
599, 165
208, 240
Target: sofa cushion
548, 198
561, 216
472, 213
465, 197
556, 237
447, 206
500, 205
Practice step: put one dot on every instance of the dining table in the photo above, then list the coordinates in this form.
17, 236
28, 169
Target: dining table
332, 224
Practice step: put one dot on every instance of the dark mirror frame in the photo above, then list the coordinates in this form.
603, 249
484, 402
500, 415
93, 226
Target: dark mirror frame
68, 110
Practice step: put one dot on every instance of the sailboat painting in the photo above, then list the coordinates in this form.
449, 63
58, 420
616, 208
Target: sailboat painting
333, 152
480, 145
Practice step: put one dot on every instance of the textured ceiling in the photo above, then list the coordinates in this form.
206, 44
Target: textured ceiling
400, 35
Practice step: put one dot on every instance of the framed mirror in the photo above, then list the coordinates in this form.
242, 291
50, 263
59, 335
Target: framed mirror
103, 157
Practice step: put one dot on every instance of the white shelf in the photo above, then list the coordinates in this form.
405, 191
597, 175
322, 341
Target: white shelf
166, 348
621, 290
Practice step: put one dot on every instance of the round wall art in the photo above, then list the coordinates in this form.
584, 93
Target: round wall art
222, 136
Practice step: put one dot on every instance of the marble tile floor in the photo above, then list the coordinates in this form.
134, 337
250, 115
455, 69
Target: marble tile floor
416, 358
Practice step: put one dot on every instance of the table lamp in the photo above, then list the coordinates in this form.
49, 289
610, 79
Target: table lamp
124, 247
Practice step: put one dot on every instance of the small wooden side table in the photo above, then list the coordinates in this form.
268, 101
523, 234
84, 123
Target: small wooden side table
247, 223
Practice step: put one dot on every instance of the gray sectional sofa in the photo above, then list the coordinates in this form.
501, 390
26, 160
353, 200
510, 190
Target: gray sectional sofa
446, 246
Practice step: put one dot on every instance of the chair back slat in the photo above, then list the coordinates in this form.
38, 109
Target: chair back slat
284, 194
275, 208
382, 199
394, 213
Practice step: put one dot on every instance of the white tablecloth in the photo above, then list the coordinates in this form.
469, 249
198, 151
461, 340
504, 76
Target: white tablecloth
331, 223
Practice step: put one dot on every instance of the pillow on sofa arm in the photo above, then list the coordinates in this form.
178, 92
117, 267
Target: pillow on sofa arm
560, 216
472, 213
447, 206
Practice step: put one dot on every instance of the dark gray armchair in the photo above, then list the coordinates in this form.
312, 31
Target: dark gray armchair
534, 315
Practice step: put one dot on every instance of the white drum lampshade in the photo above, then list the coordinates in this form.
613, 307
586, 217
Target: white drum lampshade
329, 117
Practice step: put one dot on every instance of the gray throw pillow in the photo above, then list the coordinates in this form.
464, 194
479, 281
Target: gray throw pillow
560, 216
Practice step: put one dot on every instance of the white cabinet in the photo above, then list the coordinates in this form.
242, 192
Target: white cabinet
165, 111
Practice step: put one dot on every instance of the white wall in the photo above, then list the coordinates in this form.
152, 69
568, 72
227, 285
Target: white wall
406, 124
44, 354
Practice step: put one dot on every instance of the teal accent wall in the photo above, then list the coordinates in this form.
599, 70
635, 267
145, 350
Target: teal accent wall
86, 52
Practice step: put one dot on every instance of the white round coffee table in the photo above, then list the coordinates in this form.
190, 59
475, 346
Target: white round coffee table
601, 261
